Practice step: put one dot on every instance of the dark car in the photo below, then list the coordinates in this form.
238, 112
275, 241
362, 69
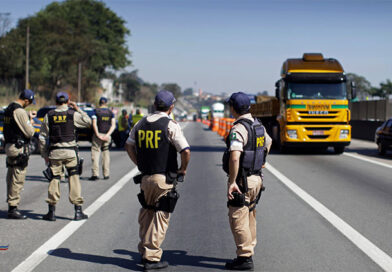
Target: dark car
383, 137
43, 111
85, 134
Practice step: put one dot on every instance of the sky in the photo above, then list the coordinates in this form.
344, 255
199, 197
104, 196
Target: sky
240, 45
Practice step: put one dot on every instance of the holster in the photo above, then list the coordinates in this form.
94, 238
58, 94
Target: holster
237, 201
166, 203
171, 177
138, 179
22, 160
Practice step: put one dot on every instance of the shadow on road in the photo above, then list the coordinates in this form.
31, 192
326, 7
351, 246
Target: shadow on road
207, 148
174, 257
132, 264
369, 152
181, 258
31, 215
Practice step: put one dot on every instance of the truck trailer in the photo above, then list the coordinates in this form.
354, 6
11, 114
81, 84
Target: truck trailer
310, 107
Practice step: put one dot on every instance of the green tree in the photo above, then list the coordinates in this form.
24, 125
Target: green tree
62, 36
188, 92
363, 86
384, 90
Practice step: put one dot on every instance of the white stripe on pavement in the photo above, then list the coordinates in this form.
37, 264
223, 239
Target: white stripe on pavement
376, 254
57, 239
366, 159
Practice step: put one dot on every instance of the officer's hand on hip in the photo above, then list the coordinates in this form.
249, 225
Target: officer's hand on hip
181, 172
231, 189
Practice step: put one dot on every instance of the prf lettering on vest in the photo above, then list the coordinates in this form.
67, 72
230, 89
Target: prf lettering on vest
149, 138
60, 118
105, 118
260, 141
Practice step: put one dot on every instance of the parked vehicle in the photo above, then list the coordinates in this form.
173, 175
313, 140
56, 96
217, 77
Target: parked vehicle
383, 137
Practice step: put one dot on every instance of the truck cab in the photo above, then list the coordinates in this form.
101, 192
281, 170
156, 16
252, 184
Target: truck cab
313, 104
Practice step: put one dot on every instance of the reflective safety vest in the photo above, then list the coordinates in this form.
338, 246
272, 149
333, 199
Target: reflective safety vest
11, 130
136, 118
122, 123
155, 153
104, 119
252, 157
61, 126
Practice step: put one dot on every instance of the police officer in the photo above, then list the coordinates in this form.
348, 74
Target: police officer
104, 124
18, 129
58, 148
123, 126
153, 145
137, 117
243, 160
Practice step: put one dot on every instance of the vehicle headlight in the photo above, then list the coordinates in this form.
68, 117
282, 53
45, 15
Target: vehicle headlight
292, 133
344, 133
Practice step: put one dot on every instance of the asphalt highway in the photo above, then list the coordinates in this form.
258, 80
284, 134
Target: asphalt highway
320, 212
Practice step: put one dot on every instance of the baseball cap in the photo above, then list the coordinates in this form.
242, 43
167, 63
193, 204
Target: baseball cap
103, 100
27, 94
240, 101
164, 98
59, 95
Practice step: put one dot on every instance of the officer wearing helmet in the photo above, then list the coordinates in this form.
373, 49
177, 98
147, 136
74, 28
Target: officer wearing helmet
104, 124
18, 129
153, 145
247, 146
59, 149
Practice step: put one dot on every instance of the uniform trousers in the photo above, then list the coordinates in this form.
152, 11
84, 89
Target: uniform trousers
153, 224
97, 146
243, 222
74, 183
15, 181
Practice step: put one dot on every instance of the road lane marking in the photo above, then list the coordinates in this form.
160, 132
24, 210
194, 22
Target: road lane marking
57, 239
367, 160
376, 254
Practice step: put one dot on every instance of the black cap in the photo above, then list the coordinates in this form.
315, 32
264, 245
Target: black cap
103, 100
27, 94
164, 99
240, 101
62, 97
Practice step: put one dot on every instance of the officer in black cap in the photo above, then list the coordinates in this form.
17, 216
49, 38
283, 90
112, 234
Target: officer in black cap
247, 145
18, 129
104, 124
153, 145
59, 149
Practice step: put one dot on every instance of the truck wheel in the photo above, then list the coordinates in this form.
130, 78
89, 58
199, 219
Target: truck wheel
338, 149
381, 148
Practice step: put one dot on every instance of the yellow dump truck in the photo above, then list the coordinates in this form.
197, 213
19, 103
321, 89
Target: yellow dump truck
310, 107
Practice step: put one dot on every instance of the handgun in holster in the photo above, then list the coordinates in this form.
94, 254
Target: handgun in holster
237, 201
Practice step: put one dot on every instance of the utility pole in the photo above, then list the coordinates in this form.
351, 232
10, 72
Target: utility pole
27, 85
79, 80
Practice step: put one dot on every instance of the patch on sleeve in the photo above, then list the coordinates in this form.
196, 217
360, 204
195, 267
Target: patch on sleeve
235, 143
233, 136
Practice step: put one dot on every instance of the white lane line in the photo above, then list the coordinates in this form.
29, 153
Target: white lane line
57, 239
367, 160
376, 254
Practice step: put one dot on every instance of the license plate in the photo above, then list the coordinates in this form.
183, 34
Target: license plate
318, 132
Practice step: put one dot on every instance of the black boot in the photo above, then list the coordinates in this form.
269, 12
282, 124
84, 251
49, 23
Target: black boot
14, 213
240, 263
50, 216
150, 265
79, 215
